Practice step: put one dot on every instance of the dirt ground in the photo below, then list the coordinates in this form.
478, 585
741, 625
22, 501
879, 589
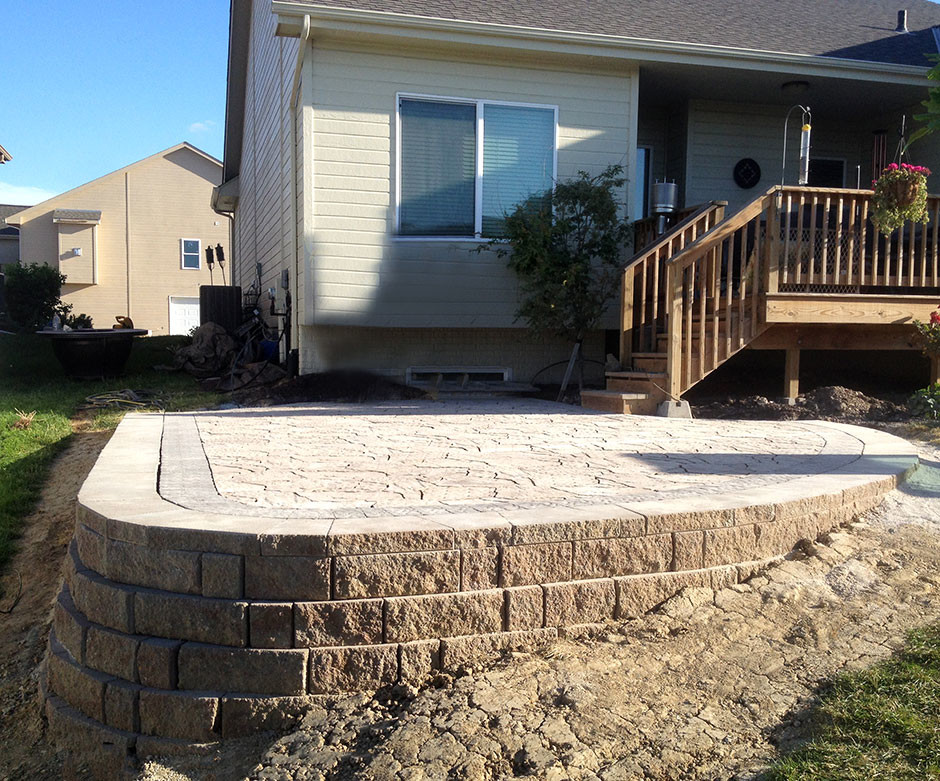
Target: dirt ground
710, 686
35, 574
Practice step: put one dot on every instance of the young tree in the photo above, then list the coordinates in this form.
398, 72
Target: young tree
32, 294
567, 247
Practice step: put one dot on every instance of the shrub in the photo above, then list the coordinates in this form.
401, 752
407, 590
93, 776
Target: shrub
77, 321
926, 402
32, 294
567, 246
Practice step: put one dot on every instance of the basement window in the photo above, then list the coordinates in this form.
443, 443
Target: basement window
463, 164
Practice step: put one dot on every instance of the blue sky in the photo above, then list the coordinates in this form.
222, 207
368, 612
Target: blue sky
91, 87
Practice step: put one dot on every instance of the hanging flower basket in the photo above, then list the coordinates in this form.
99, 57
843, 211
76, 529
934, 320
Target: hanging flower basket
905, 193
900, 196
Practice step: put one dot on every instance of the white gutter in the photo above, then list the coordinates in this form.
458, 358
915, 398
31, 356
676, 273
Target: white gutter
362, 22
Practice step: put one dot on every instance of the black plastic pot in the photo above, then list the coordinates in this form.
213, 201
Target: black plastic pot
93, 353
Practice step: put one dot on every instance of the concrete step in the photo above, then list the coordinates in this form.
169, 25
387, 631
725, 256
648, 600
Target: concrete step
619, 402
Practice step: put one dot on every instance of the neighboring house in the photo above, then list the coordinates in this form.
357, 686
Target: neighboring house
5, 157
133, 242
9, 236
372, 145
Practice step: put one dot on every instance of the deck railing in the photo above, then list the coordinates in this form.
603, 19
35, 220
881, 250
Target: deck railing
698, 293
829, 245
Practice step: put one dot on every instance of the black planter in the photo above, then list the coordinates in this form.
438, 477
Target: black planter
93, 353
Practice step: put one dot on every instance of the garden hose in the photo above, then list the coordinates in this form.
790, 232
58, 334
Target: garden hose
124, 399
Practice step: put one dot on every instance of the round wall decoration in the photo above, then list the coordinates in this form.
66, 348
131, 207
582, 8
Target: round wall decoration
746, 173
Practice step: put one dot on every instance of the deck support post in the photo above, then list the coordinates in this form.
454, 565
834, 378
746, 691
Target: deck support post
791, 381
626, 320
934, 369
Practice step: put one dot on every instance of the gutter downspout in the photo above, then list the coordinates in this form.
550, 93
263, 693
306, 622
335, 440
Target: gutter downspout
297, 243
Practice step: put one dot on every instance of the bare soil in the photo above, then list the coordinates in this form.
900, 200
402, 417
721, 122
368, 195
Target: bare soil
832, 402
35, 574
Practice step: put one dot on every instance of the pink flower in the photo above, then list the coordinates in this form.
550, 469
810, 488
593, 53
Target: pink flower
935, 318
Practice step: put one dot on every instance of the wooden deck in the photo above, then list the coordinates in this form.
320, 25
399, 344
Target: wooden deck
797, 268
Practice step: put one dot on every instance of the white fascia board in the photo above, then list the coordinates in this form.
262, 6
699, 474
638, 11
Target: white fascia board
384, 23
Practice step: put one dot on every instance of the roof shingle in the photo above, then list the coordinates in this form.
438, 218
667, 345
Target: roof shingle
851, 29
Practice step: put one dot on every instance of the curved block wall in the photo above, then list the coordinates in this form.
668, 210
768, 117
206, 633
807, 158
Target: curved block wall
175, 628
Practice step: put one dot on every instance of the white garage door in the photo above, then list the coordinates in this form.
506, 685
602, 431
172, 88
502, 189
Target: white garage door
184, 314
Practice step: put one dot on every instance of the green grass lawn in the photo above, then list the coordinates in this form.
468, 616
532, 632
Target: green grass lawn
32, 381
879, 723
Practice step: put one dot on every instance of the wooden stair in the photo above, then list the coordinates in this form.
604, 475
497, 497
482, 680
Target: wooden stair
797, 257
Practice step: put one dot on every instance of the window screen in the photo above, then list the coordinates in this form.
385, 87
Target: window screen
518, 159
438, 153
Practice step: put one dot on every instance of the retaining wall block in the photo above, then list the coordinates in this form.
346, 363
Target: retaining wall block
547, 562
156, 662
476, 650
579, 602
351, 668
181, 715
103, 602
247, 670
638, 594
271, 625
356, 622
241, 716
138, 565
111, 652
80, 687
664, 523
355, 536
279, 578
105, 749
443, 615
689, 551
223, 575
92, 548
396, 574
181, 617
120, 705
479, 568
525, 608
622, 556
70, 626
418, 660
729, 546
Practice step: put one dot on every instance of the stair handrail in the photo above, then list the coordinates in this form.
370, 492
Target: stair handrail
725, 228
704, 272
680, 226
706, 215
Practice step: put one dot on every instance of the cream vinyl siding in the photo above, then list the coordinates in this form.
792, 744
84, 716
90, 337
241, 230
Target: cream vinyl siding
720, 134
362, 273
264, 219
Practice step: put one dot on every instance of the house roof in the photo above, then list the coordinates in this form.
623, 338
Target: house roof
27, 212
850, 29
827, 35
6, 209
4, 155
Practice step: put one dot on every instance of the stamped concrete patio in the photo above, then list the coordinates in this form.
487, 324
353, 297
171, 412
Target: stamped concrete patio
228, 566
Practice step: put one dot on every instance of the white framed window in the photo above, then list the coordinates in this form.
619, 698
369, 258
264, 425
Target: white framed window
462, 164
190, 253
